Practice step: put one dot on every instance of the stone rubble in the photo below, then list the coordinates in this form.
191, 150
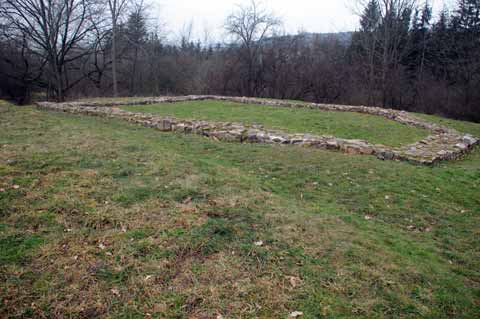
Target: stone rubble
444, 143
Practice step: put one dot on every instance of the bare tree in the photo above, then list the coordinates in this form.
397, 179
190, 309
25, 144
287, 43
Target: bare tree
396, 19
20, 70
117, 8
57, 31
382, 41
250, 26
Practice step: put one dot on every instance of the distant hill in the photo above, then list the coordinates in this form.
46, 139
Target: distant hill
343, 37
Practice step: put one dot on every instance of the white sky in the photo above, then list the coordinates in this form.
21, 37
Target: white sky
305, 15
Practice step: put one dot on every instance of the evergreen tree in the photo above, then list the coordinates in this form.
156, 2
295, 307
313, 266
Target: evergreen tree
371, 17
467, 16
441, 46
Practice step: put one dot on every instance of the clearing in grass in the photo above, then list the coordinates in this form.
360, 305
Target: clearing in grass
374, 129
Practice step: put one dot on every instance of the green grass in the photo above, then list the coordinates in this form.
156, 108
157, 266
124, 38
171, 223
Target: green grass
349, 125
15, 248
461, 126
114, 220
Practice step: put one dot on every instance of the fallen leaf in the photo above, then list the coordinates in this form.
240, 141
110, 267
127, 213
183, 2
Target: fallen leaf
296, 314
294, 281
258, 243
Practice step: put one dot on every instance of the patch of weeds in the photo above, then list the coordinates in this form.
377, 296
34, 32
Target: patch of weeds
87, 161
258, 255
174, 233
99, 219
43, 162
132, 195
121, 170
37, 220
198, 268
122, 173
146, 249
139, 233
182, 194
43, 283
66, 206
24, 181
15, 249
112, 276
230, 226
133, 149
6, 199
5, 170
208, 238
130, 314
175, 303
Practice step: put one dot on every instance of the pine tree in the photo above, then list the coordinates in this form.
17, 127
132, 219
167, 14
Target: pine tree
465, 65
467, 16
371, 17
136, 37
441, 46
366, 45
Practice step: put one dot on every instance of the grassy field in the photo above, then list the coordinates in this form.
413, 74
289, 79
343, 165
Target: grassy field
374, 129
100, 218
461, 126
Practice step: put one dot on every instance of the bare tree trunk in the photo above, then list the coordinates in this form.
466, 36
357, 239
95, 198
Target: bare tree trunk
134, 72
116, 9
114, 58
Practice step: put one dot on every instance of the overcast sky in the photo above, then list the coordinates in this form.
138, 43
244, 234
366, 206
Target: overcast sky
305, 15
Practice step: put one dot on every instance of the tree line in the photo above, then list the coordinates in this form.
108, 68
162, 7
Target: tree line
401, 57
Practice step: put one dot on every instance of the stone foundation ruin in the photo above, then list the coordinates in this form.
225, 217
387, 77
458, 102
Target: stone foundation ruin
443, 144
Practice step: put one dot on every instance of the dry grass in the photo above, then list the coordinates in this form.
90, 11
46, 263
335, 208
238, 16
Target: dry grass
115, 221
